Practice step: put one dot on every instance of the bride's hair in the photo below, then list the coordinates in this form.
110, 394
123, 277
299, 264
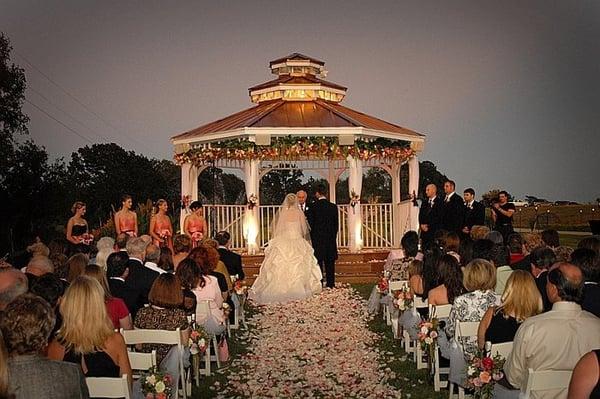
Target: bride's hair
290, 201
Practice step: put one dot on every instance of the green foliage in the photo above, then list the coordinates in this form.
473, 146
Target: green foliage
277, 183
220, 188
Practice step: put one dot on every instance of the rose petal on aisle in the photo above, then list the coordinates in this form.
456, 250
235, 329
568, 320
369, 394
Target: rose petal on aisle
319, 347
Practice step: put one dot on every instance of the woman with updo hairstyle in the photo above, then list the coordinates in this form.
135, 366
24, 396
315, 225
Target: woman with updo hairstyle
189, 275
77, 230
182, 245
194, 225
208, 264
161, 229
125, 218
208, 289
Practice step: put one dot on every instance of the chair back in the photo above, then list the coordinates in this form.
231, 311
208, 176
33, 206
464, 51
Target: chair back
502, 349
440, 311
144, 336
203, 309
466, 329
142, 361
105, 387
397, 285
546, 379
419, 302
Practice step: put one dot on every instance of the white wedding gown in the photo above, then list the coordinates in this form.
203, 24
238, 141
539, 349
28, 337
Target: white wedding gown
290, 270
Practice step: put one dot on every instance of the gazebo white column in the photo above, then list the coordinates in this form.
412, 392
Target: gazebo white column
251, 219
189, 189
396, 198
354, 212
413, 189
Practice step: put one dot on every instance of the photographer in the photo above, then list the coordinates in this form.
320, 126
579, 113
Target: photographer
502, 214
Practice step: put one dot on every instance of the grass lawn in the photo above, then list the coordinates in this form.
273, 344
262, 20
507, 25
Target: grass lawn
412, 382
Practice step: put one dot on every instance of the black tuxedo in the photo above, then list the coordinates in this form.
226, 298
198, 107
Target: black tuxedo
139, 281
474, 215
453, 213
120, 290
541, 282
431, 215
591, 298
233, 262
323, 220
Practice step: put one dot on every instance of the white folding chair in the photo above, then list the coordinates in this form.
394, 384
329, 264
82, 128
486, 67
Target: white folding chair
440, 311
394, 285
419, 304
203, 312
544, 380
502, 349
141, 361
438, 371
106, 387
464, 329
239, 317
166, 337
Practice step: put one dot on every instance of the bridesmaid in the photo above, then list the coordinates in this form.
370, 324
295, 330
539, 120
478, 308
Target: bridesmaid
161, 229
125, 218
194, 224
77, 230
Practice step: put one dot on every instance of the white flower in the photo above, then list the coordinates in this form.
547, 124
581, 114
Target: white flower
160, 387
151, 380
202, 342
428, 341
471, 370
424, 330
194, 349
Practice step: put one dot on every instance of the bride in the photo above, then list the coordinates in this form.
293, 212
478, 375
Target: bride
289, 270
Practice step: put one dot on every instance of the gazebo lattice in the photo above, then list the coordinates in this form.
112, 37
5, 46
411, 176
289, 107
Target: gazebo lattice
298, 122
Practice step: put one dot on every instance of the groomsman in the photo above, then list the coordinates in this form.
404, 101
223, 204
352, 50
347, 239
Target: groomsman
453, 209
429, 216
474, 212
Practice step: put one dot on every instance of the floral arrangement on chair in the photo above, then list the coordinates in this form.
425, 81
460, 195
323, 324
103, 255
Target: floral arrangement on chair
156, 384
427, 336
383, 285
252, 201
240, 287
483, 372
402, 298
198, 340
226, 309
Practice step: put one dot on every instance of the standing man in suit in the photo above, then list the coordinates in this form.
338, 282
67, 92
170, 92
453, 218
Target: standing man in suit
140, 278
301, 196
232, 261
453, 209
429, 216
474, 211
323, 220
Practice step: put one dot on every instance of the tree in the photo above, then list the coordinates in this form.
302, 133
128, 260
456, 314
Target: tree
220, 188
277, 183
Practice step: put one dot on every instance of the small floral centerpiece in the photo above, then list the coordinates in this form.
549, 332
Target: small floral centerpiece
427, 336
383, 285
482, 373
156, 384
252, 201
87, 238
402, 298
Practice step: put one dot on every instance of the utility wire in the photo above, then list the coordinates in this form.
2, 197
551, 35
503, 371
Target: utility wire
79, 101
60, 122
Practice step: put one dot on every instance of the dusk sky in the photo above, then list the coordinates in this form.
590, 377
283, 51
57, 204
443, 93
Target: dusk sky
507, 93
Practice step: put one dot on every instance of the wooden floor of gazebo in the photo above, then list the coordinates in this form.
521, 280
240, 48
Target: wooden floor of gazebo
363, 267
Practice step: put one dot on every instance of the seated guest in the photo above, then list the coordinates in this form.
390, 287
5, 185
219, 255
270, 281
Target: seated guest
189, 275
397, 267
140, 278
86, 337
589, 263
495, 237
37, 267
415, 277
592, 243
585, 380
182, 245
563, 253
220, 266
165, 262
208, 289
105, 247
520, 300
465, 251
431, 275
12, 284
115, 307
121, 242
452, 245
232, 261
152, 257
503, 270
208, 265
38, 249
451, 284
76, 266
479, 280
479, 232
117, 272
554, 340
515, 246
4, 370
482, 249
26, 325
50, 288
164, 313
551, 238
542, 259
530, 242
58, 247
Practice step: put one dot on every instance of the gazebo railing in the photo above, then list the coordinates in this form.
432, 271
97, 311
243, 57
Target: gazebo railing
377, 231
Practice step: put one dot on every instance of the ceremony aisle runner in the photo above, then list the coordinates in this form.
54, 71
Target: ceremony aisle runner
320, 347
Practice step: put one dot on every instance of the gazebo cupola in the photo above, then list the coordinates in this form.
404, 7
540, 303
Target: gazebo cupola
297, 119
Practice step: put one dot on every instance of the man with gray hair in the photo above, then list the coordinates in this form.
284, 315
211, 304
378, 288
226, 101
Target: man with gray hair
13, 283
39, 265
152, 257
140, 278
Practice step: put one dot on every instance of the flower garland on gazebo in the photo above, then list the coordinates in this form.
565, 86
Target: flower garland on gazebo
293, 148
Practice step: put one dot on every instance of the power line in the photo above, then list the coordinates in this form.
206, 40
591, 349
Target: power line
60, 122
65, 91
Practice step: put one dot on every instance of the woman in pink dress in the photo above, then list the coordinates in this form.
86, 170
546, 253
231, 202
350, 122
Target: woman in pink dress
125, 218
195, 225
161, 229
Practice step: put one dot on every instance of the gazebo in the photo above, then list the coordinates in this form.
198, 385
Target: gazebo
298, 121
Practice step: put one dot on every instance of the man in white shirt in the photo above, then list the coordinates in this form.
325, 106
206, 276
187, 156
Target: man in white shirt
554, 340
152, 257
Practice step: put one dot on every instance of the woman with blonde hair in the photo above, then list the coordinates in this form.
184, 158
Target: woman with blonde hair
75, 266
87, 337
115, 307
521, 299
161, 229
77, 229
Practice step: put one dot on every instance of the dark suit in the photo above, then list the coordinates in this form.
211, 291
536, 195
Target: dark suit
591, 298
453, 213
139, 281
541, 282
430, 215
233, 262
323, 220
120, 290
474, 216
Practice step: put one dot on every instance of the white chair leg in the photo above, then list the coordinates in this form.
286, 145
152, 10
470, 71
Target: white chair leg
216, 346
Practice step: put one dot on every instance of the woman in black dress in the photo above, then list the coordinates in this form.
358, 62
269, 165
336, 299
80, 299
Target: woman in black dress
77, 230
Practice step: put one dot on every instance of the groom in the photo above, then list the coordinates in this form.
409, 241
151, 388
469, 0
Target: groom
323, 220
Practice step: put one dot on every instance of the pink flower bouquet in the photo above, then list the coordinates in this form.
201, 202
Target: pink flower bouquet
383, 286
403, 299
156, 384
482, 373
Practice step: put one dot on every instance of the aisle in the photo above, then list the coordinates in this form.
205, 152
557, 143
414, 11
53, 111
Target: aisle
321, 347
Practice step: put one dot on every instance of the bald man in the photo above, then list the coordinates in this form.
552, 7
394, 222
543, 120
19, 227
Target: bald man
301, 195
430, 216
554, 340
13, 283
